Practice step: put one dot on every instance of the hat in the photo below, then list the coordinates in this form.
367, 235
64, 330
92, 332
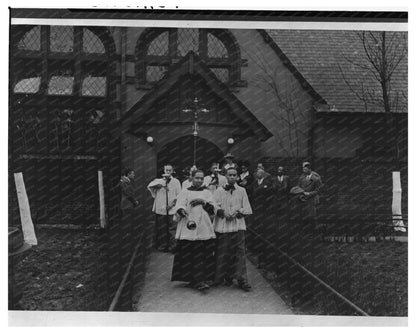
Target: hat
306, 164
229, 155
296, 190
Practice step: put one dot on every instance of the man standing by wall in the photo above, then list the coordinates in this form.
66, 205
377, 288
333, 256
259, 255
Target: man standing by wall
233, 207
165, 191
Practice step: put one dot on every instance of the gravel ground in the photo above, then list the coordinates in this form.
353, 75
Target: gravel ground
65, 272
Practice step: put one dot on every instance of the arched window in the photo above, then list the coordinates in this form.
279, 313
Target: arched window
69, 52
159, 48
60, 82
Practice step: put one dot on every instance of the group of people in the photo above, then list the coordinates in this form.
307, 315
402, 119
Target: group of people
203, 219
209, 213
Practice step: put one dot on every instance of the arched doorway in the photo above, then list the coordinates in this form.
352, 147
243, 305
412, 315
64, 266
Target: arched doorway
179, 153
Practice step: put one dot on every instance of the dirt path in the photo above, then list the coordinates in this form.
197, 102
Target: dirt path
162, 295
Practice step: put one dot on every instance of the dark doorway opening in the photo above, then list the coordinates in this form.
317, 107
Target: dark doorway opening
180, 154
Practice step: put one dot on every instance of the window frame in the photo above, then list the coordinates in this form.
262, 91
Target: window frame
45, 104
233, 62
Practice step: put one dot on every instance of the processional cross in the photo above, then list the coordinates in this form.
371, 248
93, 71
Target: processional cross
196, 109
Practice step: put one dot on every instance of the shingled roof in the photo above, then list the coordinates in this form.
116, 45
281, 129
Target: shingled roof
332, 63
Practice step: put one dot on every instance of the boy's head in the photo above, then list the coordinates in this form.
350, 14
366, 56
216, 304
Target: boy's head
231, 175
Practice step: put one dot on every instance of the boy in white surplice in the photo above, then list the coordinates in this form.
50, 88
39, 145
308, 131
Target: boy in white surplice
229, 224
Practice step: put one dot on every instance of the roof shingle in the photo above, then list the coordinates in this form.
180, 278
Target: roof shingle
332, 63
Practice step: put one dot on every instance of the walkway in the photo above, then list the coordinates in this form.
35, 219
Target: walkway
161, 295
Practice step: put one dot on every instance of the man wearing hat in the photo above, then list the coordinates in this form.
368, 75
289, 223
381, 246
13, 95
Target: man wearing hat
305, 200
229, 163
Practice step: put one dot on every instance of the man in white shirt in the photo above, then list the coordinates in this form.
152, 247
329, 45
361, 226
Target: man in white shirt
214, 179
165, 191
229, 225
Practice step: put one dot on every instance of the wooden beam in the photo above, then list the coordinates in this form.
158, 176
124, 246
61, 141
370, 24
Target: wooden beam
24, 208
103, 220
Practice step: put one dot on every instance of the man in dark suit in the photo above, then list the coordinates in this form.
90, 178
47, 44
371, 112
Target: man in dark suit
281, 184
281, 192
304, 213
264, 222
246, 178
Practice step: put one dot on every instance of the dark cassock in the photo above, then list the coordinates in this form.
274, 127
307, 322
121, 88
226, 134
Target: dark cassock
281, 193
264, 218
233, 206
194, 260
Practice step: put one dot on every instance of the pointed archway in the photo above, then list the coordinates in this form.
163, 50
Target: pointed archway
179, 153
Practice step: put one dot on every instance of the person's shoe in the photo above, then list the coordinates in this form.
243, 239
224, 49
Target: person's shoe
202, 286
244, 285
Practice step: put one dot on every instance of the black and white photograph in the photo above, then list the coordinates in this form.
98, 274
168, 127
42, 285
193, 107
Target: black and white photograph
168, 162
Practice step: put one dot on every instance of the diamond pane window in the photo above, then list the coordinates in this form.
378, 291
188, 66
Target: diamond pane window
62, 39
155, 73
28, 86
31, 40
94, 86
221, 73
160, 45
158, 49
61, 85
216, 48
188, 40
91, 43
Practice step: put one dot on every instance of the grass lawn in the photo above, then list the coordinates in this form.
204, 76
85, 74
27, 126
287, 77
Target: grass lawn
372, 275
65, 272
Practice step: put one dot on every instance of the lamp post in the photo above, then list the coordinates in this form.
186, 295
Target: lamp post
196, 109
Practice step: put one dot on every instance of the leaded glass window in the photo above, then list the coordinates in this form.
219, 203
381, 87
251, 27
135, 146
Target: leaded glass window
60, 85
159, 48
91, 43
160, 45
61, 39
31, 40
62, 73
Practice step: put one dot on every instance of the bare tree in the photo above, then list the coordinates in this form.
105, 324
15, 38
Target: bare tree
382, 54
287, 110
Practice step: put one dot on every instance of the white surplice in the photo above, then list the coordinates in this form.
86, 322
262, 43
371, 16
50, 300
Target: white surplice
231, 203
204, 229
